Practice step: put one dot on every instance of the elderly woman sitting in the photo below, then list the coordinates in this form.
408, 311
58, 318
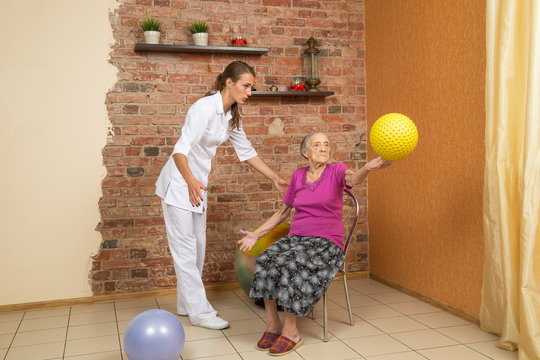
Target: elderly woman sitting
297, 269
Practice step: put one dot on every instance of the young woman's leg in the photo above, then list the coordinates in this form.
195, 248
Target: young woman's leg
184, 247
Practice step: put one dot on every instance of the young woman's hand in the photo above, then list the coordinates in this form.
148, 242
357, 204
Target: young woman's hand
249, 239
194, 189
281, 185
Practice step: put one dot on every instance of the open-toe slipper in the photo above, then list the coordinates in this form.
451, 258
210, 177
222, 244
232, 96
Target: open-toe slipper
266, 341
284, 345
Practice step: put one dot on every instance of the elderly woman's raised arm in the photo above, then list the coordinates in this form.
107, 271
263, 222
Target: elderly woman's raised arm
356, 177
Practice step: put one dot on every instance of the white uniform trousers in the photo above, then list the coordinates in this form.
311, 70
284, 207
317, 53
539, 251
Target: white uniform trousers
186, 234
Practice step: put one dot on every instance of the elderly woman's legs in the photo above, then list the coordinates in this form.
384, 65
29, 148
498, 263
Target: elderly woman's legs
289, 327
273, 323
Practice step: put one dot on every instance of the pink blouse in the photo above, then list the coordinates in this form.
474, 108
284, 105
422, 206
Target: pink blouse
318, 205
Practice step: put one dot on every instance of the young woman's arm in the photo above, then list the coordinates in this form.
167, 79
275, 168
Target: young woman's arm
258, 164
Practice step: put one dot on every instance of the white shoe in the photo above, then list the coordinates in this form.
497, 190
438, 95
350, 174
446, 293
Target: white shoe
215, 323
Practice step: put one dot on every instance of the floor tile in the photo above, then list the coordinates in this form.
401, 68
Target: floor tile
227, 303
334, 350
410, 355
92, 345
81, 309
263, 355
36, 314
368, 286
467, 334
439, 319
92, 330
216, 295
92, 318
245, 327
130, 313
3, 353
245, 342
455, 352
39, 337
392, 297
136, 303
240, 313
374, 312
346, 331
356, 300
222, 357
109, 355
424, 339
37, 352
166, 300
206, 348
9, 317
376, 345
315, 334
489, 349
200, 333
397, 324
341, 316
414, 307
44, 323
5, 340
9, 327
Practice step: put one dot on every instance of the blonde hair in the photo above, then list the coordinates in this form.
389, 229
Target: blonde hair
233, 71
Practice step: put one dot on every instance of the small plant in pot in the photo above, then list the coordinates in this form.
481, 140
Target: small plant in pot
151, 28
199, 29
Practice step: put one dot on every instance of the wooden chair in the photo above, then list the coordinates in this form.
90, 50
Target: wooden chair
350, 219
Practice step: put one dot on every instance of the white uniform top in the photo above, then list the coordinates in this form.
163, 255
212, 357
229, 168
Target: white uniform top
206, 127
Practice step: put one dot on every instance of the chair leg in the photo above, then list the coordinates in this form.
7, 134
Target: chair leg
325, 319
313, 314
347, 297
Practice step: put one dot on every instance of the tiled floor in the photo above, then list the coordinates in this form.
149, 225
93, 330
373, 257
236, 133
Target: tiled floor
389, 325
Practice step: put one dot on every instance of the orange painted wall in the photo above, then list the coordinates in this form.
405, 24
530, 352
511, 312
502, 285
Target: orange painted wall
426, 59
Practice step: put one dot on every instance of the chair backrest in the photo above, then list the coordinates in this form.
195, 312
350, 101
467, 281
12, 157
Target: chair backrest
350, 217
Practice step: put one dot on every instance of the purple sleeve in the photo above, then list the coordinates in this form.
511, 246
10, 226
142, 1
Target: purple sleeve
341, 168
289, 195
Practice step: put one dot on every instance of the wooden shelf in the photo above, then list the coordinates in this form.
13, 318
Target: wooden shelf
255, 94
291, 93
194, 49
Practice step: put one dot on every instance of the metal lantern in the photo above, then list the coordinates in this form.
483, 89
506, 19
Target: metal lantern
311, 63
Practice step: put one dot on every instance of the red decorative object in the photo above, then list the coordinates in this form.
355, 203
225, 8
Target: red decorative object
238, 41
300, 87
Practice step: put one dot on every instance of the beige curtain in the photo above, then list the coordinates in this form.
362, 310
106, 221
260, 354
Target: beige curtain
511, 287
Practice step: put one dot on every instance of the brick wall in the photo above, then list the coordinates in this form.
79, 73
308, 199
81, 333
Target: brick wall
147, 108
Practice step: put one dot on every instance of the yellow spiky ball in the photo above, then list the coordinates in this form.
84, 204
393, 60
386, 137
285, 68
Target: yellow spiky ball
393, 136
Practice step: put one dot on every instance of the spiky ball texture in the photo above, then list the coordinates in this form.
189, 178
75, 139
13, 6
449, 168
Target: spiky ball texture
393, 136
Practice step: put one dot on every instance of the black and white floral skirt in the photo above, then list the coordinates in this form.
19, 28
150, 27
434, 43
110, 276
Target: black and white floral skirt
296, 271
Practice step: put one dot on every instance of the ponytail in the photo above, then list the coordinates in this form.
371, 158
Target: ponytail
233, 71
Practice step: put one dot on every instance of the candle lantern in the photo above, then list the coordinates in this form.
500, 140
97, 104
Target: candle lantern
311, 63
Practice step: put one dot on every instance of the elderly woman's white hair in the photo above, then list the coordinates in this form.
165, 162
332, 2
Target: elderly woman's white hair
304, 145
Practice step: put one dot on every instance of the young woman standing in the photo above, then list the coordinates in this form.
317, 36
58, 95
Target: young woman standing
182, 184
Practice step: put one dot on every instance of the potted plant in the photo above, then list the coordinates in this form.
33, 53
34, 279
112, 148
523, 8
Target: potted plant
199, 29
151, 28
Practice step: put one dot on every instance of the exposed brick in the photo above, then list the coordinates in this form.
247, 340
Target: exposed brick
137, 253
151, 151
148, 105
139, 273
109, 244
134, 172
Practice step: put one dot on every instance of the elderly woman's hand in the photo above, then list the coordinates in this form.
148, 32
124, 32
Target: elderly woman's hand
247, 242
378, 163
